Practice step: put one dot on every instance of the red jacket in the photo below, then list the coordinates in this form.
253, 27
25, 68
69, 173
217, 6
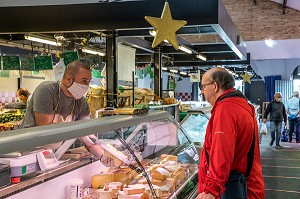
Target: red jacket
228, 139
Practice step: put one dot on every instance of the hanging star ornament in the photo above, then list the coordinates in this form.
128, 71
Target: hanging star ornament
246, 77
165, 27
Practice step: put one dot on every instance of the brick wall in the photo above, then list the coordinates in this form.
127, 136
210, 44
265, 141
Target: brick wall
263, 20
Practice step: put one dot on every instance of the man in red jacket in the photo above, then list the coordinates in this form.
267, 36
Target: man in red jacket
228, 138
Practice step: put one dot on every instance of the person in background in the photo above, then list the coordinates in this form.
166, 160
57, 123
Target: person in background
61, 102
292, 109
227, 140
23, 96
277, 113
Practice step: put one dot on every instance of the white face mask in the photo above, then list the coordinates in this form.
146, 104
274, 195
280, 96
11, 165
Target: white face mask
78, 90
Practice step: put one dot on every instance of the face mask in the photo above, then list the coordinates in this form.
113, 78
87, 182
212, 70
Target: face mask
279, 99
78, 90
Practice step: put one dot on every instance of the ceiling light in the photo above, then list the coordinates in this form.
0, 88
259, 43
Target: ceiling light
164, 68
42, 39
174, 71
153, 33
59, 36
202, 57
270, 43
92, 51
185, 49
183, 73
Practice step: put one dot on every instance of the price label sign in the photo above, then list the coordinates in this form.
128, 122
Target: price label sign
43, 62
27, 63
10, 62
70, 56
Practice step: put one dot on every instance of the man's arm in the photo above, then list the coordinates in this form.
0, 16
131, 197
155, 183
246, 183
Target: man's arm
284, 115
268, 109
90, 143
42, 119
222, 149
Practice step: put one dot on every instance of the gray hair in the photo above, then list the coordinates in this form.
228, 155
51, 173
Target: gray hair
73, 67
223, 78
277, 94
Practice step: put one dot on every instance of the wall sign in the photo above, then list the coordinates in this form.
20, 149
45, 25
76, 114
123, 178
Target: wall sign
10, 62
27, 63
70, 56
43, 62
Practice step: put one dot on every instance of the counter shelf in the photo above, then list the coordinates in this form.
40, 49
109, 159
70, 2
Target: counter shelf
136, 136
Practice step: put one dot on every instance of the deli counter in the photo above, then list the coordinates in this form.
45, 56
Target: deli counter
146, 156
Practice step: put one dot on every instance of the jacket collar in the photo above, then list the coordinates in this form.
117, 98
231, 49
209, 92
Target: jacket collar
228, 94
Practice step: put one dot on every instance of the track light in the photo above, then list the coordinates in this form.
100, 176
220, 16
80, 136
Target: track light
164, 68
202, 57
183, 73
185, 49
174, 71
93, 51
42, 39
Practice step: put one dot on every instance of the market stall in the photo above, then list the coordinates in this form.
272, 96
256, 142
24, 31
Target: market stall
157, 160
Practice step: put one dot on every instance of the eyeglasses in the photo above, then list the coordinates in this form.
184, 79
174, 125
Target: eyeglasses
204, 85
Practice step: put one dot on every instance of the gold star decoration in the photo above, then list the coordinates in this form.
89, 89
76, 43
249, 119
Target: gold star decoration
246, 77
166, 27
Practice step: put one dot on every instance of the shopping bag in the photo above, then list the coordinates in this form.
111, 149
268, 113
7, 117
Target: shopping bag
284, 137
263, 129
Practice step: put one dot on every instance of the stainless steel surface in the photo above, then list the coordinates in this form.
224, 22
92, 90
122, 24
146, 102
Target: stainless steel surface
29, 138
65, 167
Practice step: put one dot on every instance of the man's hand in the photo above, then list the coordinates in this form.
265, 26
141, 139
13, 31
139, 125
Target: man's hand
264, 120
205, 196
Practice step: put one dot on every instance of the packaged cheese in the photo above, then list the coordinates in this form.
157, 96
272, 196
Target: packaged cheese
166, 157
105, 194
99, 180
122, 195
160, 174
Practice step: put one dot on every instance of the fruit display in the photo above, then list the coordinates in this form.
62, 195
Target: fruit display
10, 117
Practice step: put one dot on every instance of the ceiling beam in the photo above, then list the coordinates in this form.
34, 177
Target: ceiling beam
98, 16
137, 43
192, 57
229, 33
190, 30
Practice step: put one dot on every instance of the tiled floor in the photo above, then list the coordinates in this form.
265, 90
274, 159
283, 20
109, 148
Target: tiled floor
281, 169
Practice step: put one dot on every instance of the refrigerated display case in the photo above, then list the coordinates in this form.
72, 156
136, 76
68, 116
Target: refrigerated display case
195, 123
157, 159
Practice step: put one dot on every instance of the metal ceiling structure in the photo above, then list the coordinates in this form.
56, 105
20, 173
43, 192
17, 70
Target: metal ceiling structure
209, 31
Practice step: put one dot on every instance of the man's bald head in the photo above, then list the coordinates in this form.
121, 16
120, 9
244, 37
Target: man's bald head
222, 77
73, 68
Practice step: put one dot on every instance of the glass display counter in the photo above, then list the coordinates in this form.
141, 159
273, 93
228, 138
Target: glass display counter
195, 123
145, 156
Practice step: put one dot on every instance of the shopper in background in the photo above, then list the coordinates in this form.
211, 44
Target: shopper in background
60, 102
227, 140
292, 109
277, 113
23, 96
